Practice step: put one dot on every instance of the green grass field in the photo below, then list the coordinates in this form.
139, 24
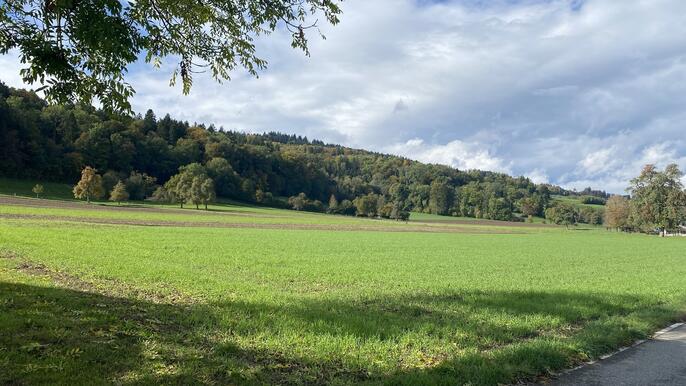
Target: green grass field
99, 295
576, 201
23, 188
428, 217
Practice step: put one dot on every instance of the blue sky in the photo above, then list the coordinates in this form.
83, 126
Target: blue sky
568, 92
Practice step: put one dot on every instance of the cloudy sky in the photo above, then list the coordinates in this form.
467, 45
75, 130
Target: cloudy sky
572, 92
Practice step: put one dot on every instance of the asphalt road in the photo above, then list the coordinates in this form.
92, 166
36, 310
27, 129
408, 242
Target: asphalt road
659, 361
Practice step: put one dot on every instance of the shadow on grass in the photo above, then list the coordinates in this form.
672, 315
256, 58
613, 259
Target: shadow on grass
61, 336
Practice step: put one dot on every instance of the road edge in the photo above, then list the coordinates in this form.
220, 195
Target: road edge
621, 349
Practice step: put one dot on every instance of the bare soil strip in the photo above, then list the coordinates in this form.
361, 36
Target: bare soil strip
483, 222
200, 224
43, 203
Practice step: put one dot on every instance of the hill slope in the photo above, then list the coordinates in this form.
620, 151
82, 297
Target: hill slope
54, 142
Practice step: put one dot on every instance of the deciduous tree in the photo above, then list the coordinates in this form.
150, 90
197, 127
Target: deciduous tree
38, 190
208, 194
440, 197
528, 206
119, 193
562, 214
140, 185
83, 48
226, 180
658, 199
366, 206
90, 185
617, 212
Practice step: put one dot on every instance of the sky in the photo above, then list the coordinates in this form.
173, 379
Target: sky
571, 92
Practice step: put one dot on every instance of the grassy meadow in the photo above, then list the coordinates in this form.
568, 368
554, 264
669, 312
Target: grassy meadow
576, 201
93, 294
54, 190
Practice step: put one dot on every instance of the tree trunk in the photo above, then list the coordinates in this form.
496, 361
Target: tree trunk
205, 206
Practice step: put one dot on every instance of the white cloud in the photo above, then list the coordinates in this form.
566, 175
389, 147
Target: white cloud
461, 155
538, 176
597, 162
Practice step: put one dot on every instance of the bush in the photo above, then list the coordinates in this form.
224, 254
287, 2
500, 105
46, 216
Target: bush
301, 202
593, 200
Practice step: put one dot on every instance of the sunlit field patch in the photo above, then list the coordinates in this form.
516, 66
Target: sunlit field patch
130, 303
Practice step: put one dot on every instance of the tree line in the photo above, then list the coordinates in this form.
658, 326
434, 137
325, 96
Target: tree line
169, 160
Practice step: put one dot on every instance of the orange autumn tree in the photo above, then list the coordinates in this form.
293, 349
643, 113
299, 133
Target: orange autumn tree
90, 185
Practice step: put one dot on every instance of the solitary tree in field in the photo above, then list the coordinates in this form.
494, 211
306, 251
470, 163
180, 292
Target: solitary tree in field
38, 190
658, 199
90, 185
82, 49
119, 193
616, 212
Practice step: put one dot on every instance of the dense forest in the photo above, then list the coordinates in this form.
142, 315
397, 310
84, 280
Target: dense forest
56, 142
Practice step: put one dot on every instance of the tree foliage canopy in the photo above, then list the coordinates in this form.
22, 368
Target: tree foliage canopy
617, 212
38, 190
119, 193
562, 214
658, 198
80, 50
90, 185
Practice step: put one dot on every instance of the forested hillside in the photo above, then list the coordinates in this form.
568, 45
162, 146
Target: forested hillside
55, 142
